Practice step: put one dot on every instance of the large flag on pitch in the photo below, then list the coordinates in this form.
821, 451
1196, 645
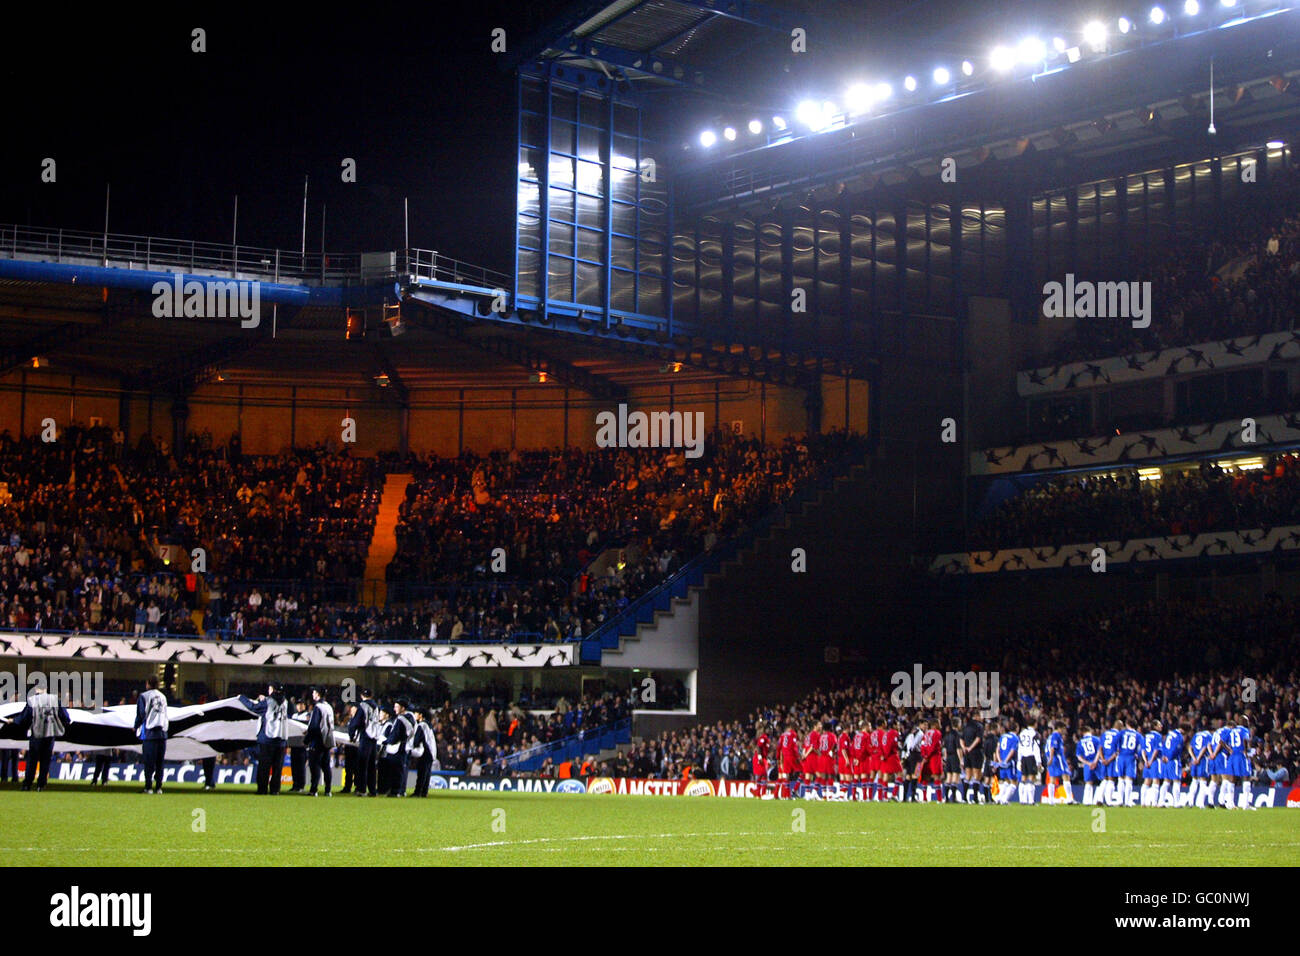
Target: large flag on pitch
195, 732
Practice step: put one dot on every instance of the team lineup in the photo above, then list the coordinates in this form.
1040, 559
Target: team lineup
990, 762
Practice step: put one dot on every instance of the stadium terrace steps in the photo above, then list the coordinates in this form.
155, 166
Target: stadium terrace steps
794, 524
383, 542
661, 627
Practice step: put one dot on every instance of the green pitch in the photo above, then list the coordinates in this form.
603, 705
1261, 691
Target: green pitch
71, 825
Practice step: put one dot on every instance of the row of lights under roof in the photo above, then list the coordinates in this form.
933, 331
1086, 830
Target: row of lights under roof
818, 116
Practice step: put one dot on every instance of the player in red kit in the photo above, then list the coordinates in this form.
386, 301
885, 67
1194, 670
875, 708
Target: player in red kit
826, 747
844, 759
930, 769
788, 750
859, 750
809, 761
891, 764
762, 766
875, 741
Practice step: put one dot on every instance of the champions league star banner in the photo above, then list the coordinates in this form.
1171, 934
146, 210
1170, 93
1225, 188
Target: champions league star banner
1116, 369
195, 732
40, 646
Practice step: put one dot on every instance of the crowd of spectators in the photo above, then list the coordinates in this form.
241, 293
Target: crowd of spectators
88, 525
84, 522
1257, 239
553, 513
1172, 660
1086, 508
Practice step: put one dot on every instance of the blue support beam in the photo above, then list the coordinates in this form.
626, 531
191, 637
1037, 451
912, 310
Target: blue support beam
527, 311
544, 204
144, 280
607, 183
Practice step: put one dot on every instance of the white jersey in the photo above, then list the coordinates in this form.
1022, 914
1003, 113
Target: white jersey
155, 710
275, 718
423, 737
375, 728
46, 721
912, 742
1029, 744
326, 722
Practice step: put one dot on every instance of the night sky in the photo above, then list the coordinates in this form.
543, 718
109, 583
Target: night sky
413, 93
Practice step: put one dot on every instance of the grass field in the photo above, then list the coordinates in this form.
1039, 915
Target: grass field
70, 825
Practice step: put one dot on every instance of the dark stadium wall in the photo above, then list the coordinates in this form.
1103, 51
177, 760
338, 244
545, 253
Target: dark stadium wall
771, 632
445, 421
998, 348
29, 396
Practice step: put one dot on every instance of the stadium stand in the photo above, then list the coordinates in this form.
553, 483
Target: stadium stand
287, 535
1090, 507
1238, 276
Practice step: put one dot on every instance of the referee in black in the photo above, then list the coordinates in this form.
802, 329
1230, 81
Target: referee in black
972, 750
951, 762
991, 733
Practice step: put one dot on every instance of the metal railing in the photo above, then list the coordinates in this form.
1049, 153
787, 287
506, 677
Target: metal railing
124, 251
170, 255
431, 265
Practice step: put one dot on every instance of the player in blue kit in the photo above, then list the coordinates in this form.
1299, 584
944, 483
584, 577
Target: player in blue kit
1008, 766
1172, 750
1219, 761
1108, 766
1238, 764
1126, 763
1058, 771
1152, 764
1088, 752
1202, 788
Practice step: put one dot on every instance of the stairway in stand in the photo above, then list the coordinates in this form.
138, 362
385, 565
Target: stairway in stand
383, 543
